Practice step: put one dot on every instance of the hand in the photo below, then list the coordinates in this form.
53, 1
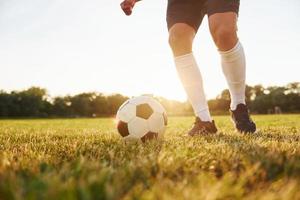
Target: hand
127, 6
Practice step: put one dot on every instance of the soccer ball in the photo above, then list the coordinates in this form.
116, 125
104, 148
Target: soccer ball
141, 118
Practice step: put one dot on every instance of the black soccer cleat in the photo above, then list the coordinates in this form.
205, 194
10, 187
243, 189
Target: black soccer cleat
241, 119
202, 128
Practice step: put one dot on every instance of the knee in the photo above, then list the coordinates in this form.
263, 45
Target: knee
181, 40
225, 37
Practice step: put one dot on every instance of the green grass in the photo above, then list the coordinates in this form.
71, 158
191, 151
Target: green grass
86, 159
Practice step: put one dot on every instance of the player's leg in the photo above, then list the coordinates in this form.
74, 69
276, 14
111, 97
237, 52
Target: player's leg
223, 27
183, 22
224, 32
181, 38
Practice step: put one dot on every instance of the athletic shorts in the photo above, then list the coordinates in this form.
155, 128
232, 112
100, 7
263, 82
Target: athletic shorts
192, 12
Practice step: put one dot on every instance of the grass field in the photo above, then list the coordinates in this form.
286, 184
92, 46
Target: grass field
86, 159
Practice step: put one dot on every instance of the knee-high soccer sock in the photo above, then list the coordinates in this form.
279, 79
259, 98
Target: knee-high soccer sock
191, 80
234, 69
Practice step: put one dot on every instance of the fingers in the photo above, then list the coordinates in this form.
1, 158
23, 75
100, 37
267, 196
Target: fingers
127, 6
127, 10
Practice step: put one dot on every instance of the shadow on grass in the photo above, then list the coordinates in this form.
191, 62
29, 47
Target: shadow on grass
273, 163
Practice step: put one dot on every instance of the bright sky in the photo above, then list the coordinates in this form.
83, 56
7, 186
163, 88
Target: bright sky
72, 46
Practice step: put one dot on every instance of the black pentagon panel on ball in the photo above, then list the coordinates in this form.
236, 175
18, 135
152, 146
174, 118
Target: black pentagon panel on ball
165, 119
144, 111
149, 136
123, 128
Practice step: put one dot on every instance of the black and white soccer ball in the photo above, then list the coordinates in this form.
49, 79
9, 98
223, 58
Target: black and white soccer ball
141, 118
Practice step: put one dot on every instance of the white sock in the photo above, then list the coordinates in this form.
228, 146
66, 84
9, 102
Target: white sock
191, 80
234, 69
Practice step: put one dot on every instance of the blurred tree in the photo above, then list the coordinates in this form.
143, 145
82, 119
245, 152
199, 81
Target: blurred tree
114, 102
81, 104
61, 107
34, 102
5, 100
100, 105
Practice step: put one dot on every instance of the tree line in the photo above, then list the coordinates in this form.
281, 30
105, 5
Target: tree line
35, 102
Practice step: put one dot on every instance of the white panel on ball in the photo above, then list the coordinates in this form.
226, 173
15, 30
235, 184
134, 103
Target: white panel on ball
156, 122
124, 104
126, 113
157, 107
140, 100
130, 138
138, 127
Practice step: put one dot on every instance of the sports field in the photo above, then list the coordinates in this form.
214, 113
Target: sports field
86, 159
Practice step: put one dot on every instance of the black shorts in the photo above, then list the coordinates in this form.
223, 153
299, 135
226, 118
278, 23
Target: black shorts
192, 12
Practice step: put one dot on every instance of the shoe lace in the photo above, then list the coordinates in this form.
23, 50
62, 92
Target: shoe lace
244, 117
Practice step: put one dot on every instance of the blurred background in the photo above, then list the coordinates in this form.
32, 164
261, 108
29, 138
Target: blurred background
71, 47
